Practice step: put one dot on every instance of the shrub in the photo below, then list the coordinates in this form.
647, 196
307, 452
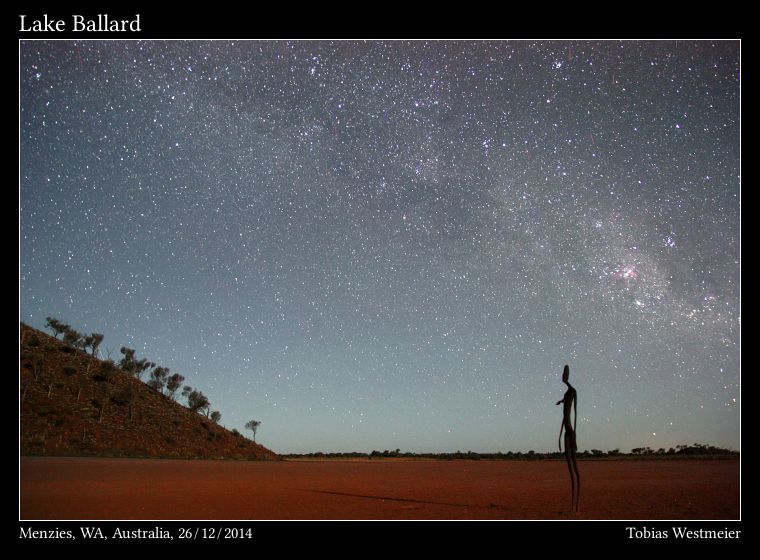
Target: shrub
69, 370
106, 371
123, 396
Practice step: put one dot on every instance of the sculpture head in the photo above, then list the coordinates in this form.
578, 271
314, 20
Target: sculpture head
565, 374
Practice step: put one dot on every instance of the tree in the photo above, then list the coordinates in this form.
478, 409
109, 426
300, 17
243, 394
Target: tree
56, 326
253, 425
95, 340
128, 361
158, 378
173, 383
141, 366
130, 364
72, 337
216, 416
196, 400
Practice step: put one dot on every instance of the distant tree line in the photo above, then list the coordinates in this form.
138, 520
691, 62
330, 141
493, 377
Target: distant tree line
680, 450
694, 449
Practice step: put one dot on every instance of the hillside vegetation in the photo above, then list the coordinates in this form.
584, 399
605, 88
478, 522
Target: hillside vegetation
72, 403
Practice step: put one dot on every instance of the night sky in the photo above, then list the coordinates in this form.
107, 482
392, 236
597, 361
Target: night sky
400, 244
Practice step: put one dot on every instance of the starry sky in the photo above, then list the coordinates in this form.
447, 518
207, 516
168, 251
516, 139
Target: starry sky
398, 244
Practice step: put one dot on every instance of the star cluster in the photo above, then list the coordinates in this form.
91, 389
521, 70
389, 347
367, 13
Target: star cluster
379, 245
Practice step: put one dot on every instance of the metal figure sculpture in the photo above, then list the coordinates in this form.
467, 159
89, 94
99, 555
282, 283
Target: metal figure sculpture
570, 400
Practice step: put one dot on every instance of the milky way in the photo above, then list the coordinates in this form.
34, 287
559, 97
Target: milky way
381, 245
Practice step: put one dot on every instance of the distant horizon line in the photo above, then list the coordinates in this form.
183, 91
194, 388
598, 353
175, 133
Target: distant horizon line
680, 449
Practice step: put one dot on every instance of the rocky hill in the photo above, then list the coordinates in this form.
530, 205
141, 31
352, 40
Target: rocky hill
74, 404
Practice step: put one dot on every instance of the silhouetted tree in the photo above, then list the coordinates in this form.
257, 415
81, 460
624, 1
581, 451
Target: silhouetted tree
158, 378
130, 364
173, 383
95, 340
196, 400
141, 366
128, 361
253, 425
72, 337
56, 326
216, 416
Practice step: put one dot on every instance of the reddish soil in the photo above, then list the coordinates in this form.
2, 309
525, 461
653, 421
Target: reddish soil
96, 488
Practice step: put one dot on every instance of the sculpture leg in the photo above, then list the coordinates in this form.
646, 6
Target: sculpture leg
570, 458
575, 474
577, 484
